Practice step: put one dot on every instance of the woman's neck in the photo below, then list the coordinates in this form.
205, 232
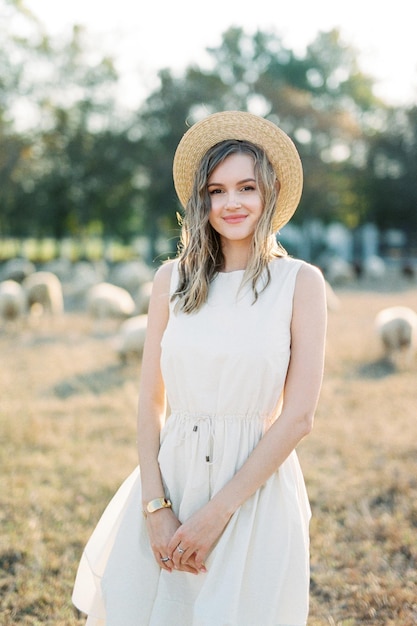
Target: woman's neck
235, 257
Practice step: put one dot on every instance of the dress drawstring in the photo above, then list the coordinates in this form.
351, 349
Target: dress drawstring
191, 425
210, 437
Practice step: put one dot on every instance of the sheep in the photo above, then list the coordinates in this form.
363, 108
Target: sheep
397, 329
61, 267
17, 269
338, 271
106, 300
131, 337
84, 275
131, 275
12, 301
374, 267
44, 293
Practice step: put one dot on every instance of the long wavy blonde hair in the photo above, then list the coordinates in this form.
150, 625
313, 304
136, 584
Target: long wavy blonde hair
200, 252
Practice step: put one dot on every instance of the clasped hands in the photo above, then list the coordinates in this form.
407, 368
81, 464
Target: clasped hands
183, 547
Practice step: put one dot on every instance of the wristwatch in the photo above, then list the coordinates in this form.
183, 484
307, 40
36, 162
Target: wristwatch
155, 505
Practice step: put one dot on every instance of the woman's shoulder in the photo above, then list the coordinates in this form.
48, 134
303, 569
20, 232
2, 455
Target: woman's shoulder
308, 271
165, 269
310, 280
285, 265
291, 264
163, 276
297, 271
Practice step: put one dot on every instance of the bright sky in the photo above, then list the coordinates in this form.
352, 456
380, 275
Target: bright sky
147, 35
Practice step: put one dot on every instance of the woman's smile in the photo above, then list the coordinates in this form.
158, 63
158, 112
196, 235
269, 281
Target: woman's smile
234, 219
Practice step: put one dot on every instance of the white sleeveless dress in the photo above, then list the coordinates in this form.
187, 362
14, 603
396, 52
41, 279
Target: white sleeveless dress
224, 368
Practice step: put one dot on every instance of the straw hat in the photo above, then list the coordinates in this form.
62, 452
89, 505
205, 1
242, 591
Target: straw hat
240, 125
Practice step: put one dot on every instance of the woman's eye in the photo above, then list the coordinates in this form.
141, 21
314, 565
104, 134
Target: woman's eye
248, 188
214, 191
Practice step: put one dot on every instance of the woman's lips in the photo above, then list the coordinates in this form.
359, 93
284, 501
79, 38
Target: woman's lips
234, 219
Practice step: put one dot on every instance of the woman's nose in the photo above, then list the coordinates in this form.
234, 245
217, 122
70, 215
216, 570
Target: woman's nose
232, 202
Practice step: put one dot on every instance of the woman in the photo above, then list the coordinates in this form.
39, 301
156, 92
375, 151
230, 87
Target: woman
235, 341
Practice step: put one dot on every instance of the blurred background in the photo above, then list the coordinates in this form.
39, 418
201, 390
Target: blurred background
95, 97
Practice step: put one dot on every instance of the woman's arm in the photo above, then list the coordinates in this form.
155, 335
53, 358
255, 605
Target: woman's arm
161, 524
152, 400
301, 393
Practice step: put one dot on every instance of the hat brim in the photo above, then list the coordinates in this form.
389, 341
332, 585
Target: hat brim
241, 125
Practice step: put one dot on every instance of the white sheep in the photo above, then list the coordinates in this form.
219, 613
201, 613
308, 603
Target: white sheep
12, 301
131, 275
337, 271
44, 293
131, 337
374, 267
397, 329
106, 300
84, 275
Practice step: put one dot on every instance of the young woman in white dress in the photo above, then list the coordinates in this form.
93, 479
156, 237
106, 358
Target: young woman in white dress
211, 529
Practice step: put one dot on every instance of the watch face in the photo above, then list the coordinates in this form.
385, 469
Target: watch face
159, 503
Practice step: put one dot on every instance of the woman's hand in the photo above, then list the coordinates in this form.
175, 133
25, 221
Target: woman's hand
161, 526
195, 538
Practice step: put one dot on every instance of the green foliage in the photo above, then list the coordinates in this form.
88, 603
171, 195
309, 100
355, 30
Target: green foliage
392, 171
71, 164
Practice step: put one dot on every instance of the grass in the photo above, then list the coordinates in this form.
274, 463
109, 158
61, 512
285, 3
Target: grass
67, 440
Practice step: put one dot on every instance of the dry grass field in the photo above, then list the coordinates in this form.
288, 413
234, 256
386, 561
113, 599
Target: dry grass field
67, 430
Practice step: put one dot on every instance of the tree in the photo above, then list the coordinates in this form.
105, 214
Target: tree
72, 164
392, 167
161, 122
319, 99
60, 164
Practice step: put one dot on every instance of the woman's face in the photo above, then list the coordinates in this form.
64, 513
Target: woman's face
236, 201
